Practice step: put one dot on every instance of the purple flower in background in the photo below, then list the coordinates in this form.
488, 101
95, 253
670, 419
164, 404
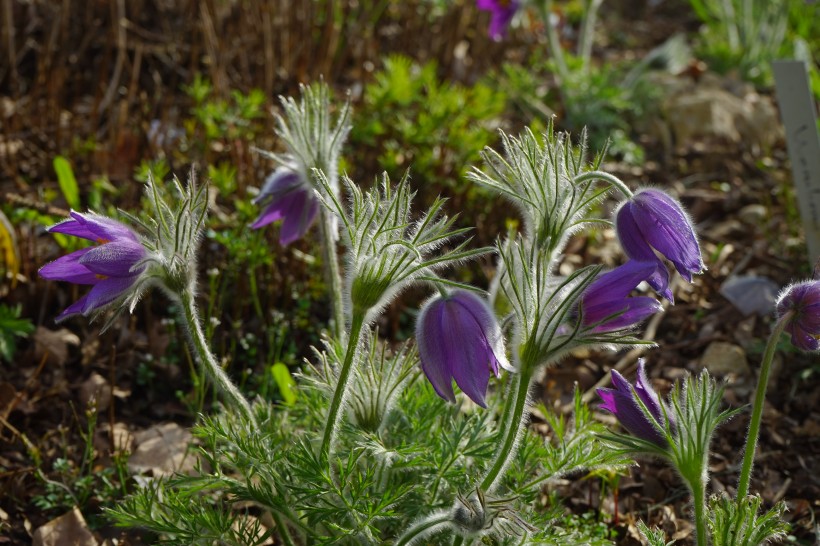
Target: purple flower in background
803, 301
606, 303
652, 220
111, 267
622, 402
287, 196
459, 338
501, 14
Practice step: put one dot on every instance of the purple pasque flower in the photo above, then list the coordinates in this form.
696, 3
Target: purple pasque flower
606, 304
623, 402
459, 338
653, 221
803, 301
501, 14
112, 267
287, 196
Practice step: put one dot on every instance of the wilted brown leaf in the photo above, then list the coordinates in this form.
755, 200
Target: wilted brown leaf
161, 450
68, 530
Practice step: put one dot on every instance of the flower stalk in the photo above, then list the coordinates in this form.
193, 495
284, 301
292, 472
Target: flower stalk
757, 408
698, 487
333, 277
340, 393
513, 424
199, 344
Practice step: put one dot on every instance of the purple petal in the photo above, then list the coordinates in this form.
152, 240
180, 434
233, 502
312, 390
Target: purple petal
630, 235
272, 213
667, 228
607, 298
94, 228
302, 209
501, 14
114, 259
67, 268
659, 281
459, 338
75, 308
619, 382
107, 291
646, 393
623, 404
608, 396
437, 349
632, 311
279, 182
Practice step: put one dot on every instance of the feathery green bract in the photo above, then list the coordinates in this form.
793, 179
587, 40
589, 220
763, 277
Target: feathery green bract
539, 178
734, 522
386, 248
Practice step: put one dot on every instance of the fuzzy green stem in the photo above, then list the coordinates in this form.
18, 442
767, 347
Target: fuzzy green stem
332, 274
513, 423
757, 408
339, 395
619, 184
699, 500
199, 344
422, 527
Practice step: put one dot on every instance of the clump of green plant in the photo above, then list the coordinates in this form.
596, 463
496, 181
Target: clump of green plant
410, 118
219, 118
606, 99
747, 35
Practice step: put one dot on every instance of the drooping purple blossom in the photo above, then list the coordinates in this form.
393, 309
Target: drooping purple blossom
606, 304
622, 402
459, 338
653, 221
501, 14
803, 301
111, 267
287, 197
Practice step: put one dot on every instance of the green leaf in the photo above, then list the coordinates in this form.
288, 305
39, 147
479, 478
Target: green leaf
11, 326
285, 382
68, 184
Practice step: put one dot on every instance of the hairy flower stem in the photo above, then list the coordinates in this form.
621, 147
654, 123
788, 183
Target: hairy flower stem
699, 500
424, 527
202, 353
514, 421
335, 413
613, 180
333, 277
757, 408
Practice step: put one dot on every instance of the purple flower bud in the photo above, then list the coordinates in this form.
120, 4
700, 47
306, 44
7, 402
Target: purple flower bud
459, 338
622, 402
110, 267
287, 196
501, 14
606, 304
803, 301
652, 220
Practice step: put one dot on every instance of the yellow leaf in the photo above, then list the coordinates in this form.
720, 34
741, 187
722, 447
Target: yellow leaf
8, 249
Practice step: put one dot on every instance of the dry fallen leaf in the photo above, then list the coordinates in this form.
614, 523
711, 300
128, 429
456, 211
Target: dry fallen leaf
68, 530
161, 450
95, 388
53, 343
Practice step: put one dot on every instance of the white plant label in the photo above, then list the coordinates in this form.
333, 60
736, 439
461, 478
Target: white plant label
797, 110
